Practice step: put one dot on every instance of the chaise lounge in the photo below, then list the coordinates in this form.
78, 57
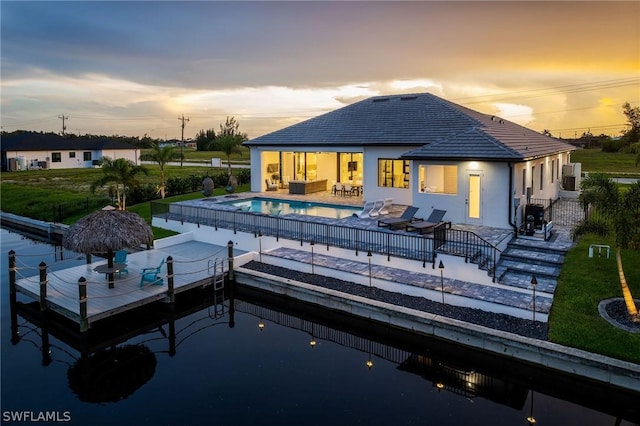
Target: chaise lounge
427, 226
408, 216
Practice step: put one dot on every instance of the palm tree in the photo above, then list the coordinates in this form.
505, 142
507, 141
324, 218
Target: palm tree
123, 173
229, 139
622, 211
161, 155
229, 144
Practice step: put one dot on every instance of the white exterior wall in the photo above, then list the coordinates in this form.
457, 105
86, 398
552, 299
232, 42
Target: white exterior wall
374, 192
29, 157
494, 190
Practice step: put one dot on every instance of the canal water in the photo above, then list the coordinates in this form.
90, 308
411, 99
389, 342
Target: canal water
213, 363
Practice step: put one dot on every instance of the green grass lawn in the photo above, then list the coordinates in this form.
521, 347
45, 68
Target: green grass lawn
616, 164
574, 319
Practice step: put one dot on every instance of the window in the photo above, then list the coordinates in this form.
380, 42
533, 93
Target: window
553, 169
541, 176
393, 173
86, 155
524, 181
56, 157
438, 179
533, 173
72, 154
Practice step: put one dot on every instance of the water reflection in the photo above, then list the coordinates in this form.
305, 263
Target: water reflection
112, 374
156, 341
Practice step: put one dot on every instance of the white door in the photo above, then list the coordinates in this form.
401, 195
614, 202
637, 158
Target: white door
474, 197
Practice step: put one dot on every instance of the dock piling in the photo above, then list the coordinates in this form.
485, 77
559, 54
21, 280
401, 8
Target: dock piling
82, 291
43, 286
170, 292
230, 257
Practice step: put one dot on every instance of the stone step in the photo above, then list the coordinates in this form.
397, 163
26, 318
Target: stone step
526, 255
515, 300
561, 246
521, 280
530, 268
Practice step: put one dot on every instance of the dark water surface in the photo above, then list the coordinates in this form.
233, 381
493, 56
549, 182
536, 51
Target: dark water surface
193, 368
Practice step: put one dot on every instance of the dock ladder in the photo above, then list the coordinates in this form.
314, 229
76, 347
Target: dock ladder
215, 269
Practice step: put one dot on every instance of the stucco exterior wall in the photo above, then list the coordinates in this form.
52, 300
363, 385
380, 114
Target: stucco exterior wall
494, 190
30, 159
374, 192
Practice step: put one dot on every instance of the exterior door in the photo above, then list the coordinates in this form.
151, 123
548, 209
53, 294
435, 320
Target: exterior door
474, 197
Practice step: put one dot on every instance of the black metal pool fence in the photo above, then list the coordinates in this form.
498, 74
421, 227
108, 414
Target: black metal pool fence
423, 248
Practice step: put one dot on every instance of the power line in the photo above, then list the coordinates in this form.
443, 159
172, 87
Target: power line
548, 91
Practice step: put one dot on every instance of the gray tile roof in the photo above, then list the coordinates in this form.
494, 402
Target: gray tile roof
436, 127
32, 141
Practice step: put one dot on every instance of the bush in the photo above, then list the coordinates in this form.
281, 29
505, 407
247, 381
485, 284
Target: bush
596, 226
611, 146
142, 193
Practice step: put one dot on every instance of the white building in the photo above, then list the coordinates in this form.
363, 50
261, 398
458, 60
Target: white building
419, 150
30, 150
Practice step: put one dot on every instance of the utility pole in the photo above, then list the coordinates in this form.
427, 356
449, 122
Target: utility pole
64, 126
182, 138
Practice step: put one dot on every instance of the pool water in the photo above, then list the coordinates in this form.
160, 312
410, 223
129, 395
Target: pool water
279, 207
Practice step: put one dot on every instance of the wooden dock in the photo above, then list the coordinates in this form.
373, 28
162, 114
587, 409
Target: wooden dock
193, 266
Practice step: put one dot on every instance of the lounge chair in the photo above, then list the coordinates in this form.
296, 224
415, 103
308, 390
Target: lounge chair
428, 225
270, 185
366, 210
399, 222
385, 206
151, 275
375, 211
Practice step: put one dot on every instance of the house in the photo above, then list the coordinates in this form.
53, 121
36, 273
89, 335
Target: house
420, 150
31, 150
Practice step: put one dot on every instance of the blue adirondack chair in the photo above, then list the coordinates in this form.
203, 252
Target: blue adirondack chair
150, 275
121, 257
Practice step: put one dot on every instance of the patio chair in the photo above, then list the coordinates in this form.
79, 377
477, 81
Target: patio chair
121, 257
375, 211
285, 181
428, 225
366, 210
347, 189
270, 185
338, 188
407, 216
385, 206
151, 275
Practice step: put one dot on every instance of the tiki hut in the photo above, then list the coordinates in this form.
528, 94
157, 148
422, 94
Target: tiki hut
107, 231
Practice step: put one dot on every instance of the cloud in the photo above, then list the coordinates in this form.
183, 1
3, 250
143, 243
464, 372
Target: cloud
275, 62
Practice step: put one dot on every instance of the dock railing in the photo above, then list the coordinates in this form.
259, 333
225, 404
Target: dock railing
396, 244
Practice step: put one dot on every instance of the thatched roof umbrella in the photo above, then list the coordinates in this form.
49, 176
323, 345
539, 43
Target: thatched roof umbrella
107, 231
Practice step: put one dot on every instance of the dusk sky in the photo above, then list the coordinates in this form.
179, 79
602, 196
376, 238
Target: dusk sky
132, 68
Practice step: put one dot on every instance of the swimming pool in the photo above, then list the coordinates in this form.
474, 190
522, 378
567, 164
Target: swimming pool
278, 207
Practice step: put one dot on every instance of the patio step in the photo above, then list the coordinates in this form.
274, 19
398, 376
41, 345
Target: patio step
524, 258
515, 300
